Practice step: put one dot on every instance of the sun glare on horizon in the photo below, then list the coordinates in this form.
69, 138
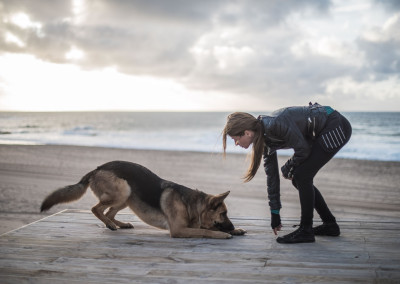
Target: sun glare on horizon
64, 87
44, 86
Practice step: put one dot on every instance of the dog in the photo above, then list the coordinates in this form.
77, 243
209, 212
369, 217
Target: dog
185, 212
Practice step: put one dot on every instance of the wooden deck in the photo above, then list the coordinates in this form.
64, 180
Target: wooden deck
73, 246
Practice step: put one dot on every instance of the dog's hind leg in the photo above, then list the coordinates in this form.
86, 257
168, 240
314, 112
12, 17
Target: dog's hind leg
98, 211
111, 215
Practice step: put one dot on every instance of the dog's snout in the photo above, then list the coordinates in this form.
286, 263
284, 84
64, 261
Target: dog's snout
225, 227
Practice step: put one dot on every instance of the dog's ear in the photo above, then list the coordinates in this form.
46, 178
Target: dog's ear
216, 200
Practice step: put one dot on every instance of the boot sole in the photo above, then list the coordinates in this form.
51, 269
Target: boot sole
296, 242
329, 235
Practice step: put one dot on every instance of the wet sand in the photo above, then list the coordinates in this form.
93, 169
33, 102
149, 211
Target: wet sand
354, 189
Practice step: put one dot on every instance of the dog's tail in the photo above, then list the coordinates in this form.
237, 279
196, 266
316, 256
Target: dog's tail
68, 193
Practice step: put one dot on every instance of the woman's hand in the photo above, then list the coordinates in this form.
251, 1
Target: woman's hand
276, 224
277, 229
287, 171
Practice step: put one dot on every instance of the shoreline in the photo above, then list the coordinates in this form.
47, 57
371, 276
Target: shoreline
360, 189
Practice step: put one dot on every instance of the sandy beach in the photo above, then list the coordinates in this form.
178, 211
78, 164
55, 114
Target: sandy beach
357, 189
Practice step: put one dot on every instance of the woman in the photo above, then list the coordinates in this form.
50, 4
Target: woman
316, 133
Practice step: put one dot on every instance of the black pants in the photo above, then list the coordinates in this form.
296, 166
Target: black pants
335, 135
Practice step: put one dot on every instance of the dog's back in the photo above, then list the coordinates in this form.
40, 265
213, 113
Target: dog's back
144, 183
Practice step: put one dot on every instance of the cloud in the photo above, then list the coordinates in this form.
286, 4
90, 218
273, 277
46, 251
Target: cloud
137, 37
276, 52
390, 5
369, 94
382, 47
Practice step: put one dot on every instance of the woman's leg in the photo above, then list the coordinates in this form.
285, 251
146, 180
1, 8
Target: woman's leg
320, 206
303, 178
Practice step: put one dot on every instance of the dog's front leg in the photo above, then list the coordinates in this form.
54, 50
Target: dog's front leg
198, 233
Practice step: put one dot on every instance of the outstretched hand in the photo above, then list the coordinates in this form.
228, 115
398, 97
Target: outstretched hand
277, 229
276, 223
287, 172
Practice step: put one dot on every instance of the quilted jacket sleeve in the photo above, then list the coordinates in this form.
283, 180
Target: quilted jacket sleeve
273, 182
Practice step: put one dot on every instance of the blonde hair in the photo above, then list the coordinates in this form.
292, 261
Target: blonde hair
236, 125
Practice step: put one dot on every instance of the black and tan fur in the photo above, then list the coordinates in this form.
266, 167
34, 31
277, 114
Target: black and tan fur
185, 212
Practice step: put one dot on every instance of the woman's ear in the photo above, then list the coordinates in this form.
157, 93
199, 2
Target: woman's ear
249, 133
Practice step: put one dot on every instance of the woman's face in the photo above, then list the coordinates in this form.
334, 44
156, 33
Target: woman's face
245, 140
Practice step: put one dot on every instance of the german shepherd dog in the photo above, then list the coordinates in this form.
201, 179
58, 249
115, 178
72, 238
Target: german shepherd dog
185, 212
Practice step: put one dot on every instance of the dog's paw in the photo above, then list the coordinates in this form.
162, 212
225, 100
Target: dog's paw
221, 235
238, 232
112, 227
127, 226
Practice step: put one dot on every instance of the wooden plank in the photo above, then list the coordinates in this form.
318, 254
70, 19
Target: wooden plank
73, 246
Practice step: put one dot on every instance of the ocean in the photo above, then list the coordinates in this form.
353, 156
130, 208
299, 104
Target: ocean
376, 135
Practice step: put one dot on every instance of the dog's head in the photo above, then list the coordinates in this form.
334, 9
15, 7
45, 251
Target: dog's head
215, 215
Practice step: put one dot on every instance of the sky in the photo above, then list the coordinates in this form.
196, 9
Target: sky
209, 55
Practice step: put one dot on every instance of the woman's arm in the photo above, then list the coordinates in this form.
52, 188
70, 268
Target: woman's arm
273, 188
273, 182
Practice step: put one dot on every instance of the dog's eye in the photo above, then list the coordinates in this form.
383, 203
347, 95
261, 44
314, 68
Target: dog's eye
223, 214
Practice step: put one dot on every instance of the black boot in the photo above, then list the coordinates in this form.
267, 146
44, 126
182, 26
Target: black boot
327, 229
304, 234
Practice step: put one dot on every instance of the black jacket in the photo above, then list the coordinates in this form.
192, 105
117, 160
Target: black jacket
289, 128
